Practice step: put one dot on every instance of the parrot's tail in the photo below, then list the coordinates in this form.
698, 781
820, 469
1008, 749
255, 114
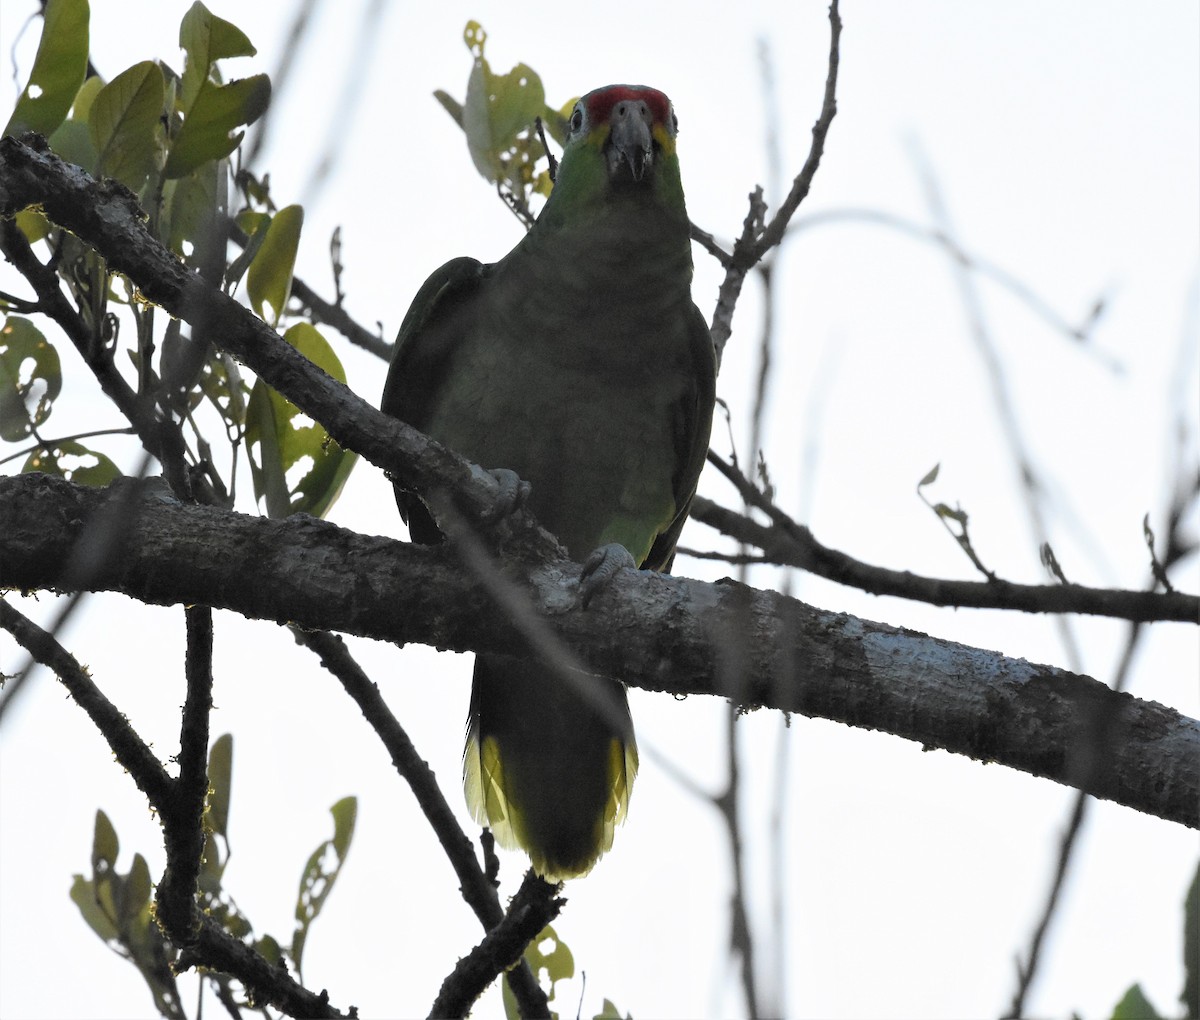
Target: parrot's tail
549, 764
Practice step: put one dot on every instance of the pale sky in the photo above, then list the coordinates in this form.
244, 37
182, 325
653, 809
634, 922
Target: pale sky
1066, 141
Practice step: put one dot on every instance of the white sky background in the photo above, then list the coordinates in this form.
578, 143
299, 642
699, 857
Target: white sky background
1065, 138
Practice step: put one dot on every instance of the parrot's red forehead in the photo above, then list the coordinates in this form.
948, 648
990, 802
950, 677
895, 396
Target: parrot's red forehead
601, 102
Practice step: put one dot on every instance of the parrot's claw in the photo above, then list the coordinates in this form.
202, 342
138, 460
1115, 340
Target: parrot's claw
600, 568
512, 493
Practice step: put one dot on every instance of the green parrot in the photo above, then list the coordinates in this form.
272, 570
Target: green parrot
579, 362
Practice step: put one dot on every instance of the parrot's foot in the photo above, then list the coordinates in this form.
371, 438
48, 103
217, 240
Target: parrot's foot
600, 567
512, 493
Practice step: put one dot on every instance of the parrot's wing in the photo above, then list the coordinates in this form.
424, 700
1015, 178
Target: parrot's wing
419, 362
692, 424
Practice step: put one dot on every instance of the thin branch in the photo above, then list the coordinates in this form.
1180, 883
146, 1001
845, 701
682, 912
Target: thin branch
758, 236
788, 543
183, 822
1183, 493
46, 444
741, 940
534, 907
1028, 476
1080, 333
127, 747
477, 889
1027, 968
90, 553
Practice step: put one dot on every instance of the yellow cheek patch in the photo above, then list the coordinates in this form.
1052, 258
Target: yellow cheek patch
664, 139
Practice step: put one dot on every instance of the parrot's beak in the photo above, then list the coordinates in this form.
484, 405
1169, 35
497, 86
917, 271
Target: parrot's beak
630, 141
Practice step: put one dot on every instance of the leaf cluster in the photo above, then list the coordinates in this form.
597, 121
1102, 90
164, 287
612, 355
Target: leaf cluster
169, 138
119, 908
500, 116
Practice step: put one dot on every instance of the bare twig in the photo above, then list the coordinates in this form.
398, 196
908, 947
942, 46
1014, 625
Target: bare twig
787, 543
1079, 331
1027, 474
758, 236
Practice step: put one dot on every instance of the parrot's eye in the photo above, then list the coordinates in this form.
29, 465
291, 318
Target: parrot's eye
674, 123
576, 120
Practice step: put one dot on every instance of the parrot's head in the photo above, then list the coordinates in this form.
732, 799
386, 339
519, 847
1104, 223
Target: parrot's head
632, 127
620, 142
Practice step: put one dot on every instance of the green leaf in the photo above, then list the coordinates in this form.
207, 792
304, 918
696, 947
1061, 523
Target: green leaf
32, 224
320, 873
1191, 950
220, 778
546, 953
211, 111
1135, 1006
208, 127
255, 225
58, 69
269, 950
125, 124
192, 205
205, 39
278, 443
30, 378
83, 895
99, 472
268, 422
221, 383
451, 105
135, 892
73, 142
72, 139
105, 845
609, 1011
930, 476
269, 281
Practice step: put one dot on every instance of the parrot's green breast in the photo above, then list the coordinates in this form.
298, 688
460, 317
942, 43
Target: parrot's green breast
580, 404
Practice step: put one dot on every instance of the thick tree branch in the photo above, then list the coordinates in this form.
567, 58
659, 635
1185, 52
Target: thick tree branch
657, 632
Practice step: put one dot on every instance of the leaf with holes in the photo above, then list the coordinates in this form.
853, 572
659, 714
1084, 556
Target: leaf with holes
497, 107
74, 462
546, 953
30, 378
321, 872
